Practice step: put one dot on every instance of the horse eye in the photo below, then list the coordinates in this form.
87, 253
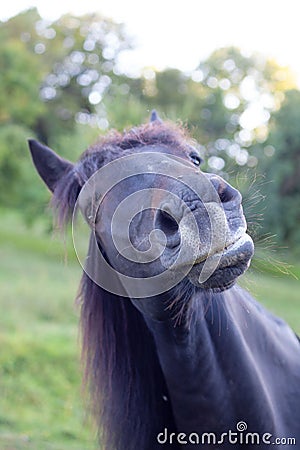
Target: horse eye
196, 159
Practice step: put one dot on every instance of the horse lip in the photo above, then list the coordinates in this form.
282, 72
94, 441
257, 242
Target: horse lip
231, 247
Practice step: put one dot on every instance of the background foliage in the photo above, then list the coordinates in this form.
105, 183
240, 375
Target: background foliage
61, 83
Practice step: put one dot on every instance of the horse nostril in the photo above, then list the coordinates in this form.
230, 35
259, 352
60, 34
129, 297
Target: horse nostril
168, 225
166, 222
226, 192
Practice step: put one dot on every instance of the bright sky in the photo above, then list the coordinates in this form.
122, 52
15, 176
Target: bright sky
181, 34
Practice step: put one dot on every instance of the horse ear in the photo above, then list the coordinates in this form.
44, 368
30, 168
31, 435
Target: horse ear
49, 165
155, 117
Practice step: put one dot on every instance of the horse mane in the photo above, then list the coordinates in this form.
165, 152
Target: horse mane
125, 382
121, 370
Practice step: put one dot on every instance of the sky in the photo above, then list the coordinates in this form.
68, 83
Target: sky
181, 34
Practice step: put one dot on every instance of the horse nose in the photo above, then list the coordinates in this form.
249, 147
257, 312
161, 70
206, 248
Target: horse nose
175, 215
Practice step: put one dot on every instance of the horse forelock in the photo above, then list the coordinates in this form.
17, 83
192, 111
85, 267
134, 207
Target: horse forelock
112, 146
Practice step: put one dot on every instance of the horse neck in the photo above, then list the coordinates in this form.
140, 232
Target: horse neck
201, 356
186, 344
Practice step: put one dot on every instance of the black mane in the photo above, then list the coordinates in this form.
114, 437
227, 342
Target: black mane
120, 380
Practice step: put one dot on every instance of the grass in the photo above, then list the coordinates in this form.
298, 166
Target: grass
41, 406
278, 293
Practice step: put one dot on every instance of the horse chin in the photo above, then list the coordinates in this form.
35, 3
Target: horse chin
231, 264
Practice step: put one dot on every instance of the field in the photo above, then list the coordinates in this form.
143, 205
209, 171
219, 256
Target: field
41, 406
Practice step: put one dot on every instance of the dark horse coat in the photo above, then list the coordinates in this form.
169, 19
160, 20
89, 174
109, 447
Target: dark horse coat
188, 360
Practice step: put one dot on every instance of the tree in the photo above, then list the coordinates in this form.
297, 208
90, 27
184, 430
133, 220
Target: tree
282, 168
54, 81
227, 102
21, 75
61, 71
81, 54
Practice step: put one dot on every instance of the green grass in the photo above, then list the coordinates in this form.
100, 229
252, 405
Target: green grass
279, 294
41, 406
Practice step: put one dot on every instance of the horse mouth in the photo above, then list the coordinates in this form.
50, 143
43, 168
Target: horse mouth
230, 250
229, 264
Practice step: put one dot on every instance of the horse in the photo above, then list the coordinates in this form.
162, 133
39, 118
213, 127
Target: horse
176, 354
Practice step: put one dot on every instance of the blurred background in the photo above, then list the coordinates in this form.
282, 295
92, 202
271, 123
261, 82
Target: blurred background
68, 73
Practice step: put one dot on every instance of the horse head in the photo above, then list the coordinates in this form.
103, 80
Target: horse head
155, 217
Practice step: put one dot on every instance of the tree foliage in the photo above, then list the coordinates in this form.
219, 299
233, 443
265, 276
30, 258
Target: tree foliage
54, 79
20, 78
81, 55
61, 82
227, 102
282, 167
